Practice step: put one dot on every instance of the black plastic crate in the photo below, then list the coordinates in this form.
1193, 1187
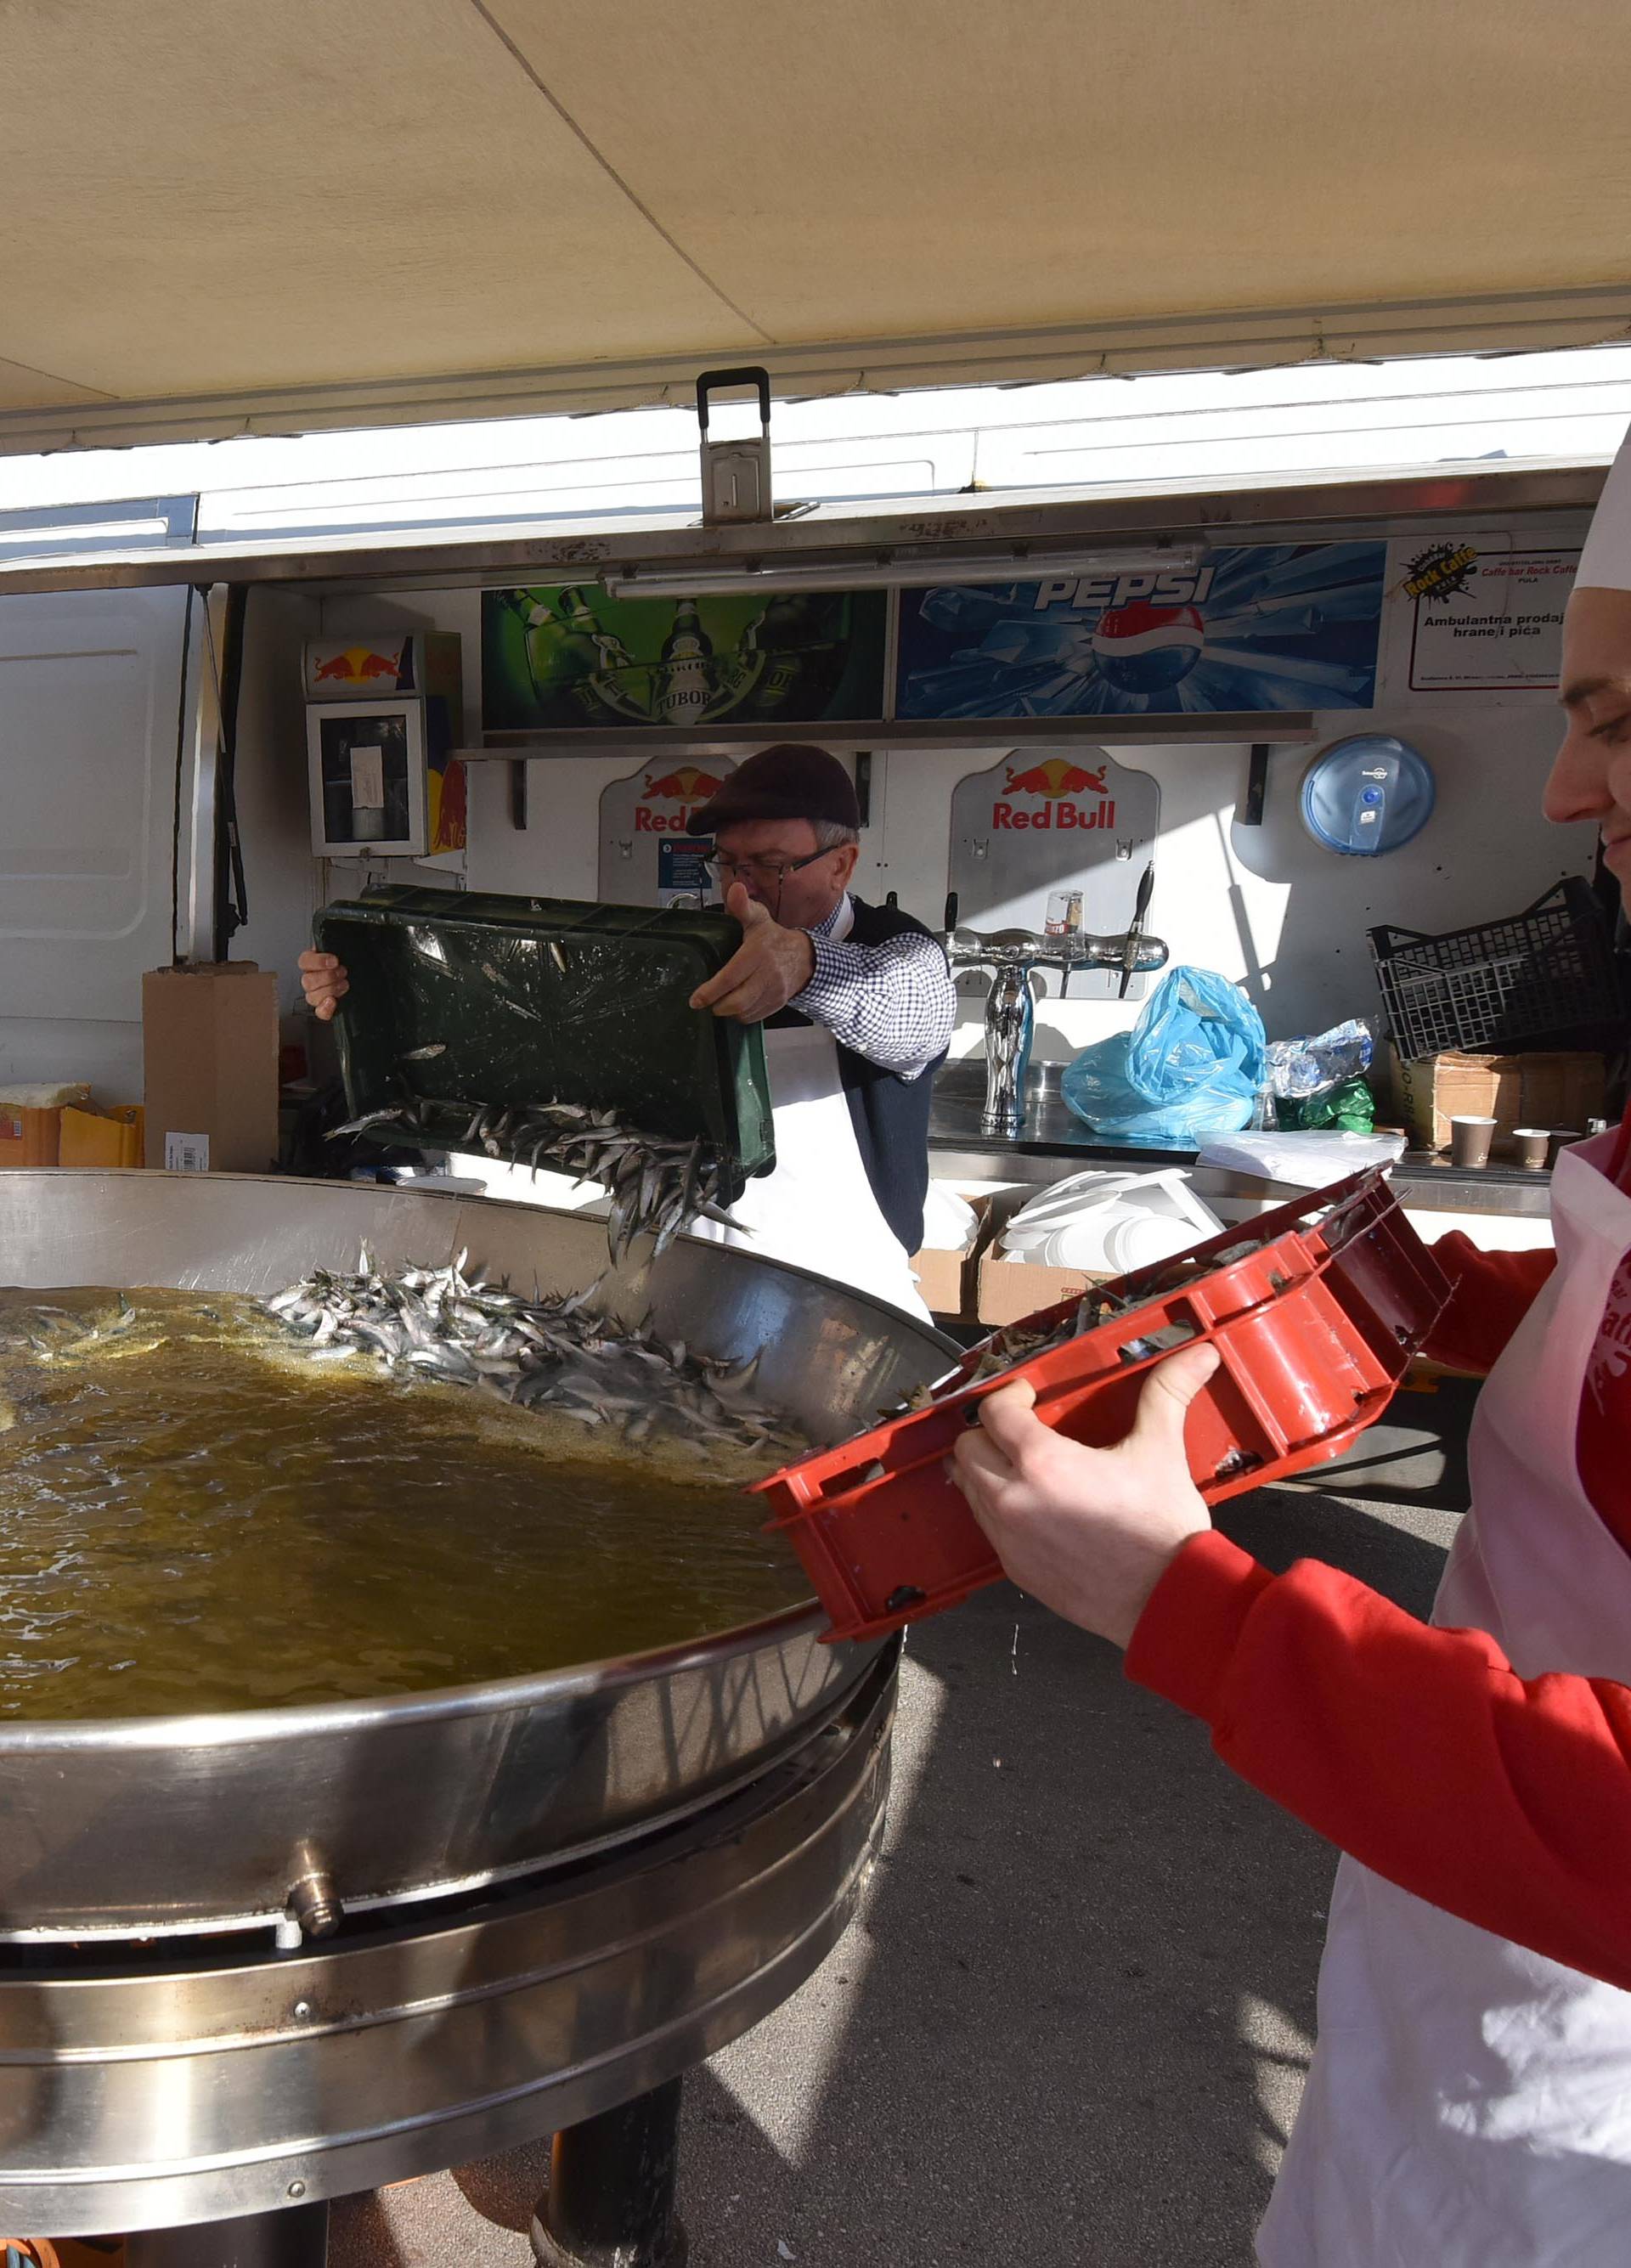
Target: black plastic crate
1541, 975
461, 1000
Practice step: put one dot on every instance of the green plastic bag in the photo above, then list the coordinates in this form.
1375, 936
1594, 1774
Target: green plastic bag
1350, 1105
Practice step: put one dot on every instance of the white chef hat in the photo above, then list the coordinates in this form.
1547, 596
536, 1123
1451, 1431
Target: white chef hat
1606, 563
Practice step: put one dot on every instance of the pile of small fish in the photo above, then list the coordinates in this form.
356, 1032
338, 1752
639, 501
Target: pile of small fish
657, 1187
556, 1354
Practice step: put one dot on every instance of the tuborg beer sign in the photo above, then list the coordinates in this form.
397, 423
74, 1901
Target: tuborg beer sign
570, 657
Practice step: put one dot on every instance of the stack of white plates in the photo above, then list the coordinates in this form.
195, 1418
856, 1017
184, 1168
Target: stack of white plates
1105, 1224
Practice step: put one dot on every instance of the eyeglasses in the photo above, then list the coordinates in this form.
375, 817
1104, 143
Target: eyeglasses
768, 874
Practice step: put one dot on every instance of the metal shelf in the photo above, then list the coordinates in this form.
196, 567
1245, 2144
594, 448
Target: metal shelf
1231, 725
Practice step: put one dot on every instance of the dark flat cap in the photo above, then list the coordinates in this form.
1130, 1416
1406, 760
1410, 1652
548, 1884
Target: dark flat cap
790, 781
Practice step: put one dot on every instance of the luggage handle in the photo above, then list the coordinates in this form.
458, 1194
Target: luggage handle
711, 380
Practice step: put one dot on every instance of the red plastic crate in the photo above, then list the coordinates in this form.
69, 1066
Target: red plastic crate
1314, 1325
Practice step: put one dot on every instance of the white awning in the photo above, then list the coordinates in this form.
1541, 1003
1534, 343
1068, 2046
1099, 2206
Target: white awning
240, 218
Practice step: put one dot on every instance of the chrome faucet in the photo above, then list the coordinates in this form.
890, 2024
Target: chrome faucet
1011, 955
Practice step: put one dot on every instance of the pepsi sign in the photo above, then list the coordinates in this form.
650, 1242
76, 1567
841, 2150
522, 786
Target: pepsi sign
1254, 628
1114, 591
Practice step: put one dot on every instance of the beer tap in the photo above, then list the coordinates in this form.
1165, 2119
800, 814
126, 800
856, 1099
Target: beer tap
1011, 955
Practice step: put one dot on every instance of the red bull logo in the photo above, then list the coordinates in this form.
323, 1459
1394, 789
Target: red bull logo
1055, 778
359, 665
688, 785
1056, 783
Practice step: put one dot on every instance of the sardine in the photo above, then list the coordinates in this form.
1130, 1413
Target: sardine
558, 1354
370, 1118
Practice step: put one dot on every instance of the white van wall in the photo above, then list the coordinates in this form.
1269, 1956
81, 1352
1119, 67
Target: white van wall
90, 685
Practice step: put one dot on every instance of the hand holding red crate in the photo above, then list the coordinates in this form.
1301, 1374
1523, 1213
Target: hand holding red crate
1315, 1314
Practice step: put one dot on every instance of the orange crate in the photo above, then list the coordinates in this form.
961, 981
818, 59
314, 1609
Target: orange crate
31, 1132
102, 1137
1316, 1310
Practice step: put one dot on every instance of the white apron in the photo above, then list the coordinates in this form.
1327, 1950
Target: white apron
1470, 2103
817, 1208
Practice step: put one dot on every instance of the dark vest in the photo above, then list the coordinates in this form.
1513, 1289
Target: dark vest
891, 1116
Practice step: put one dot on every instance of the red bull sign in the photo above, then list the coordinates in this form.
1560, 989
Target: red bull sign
687, 785
365, 666
650, 853
395, 701
1059, 795
1051, 822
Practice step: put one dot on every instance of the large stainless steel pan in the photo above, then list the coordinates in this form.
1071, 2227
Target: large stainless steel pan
180, 1824
146, 2085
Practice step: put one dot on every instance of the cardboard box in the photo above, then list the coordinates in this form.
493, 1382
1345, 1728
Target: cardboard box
1538, 1090
31, 1123
949, 1281
1008, 1290
114, 1137
210, 1045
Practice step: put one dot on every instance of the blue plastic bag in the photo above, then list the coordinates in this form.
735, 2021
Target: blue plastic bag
1191, 1065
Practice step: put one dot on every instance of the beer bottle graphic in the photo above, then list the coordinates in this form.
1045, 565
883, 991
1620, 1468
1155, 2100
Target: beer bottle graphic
560, 657
610, 651
785, 644
568, 654
685, 673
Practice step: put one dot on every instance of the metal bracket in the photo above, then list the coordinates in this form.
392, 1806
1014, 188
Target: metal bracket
1257, 786
735, 475
863, 784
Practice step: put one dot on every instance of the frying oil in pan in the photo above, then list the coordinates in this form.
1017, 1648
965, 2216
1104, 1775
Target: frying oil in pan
196, 1516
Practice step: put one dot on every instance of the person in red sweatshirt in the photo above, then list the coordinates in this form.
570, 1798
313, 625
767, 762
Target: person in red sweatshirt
1469, 2103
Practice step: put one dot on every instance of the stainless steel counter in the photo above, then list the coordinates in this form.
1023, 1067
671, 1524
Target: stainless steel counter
1054, 1142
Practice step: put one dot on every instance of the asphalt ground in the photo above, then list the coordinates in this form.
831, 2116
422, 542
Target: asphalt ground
1071, 2022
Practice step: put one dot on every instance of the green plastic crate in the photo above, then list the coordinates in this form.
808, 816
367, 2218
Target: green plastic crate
546, 1000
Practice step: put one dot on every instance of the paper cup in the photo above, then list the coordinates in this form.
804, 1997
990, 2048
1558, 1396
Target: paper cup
1528, 1146
1469, 1141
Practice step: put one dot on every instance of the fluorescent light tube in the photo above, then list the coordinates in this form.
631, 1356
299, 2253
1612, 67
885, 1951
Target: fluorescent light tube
888, 571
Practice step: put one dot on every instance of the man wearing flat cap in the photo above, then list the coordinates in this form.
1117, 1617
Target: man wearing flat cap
857, 1004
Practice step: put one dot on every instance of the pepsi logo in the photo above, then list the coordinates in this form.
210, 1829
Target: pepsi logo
1144, 649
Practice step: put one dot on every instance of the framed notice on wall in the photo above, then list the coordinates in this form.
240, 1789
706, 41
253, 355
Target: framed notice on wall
1486, 613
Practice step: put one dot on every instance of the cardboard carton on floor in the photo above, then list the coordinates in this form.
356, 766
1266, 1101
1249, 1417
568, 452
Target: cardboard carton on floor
949, 1281
1009, 1290
210, 1050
